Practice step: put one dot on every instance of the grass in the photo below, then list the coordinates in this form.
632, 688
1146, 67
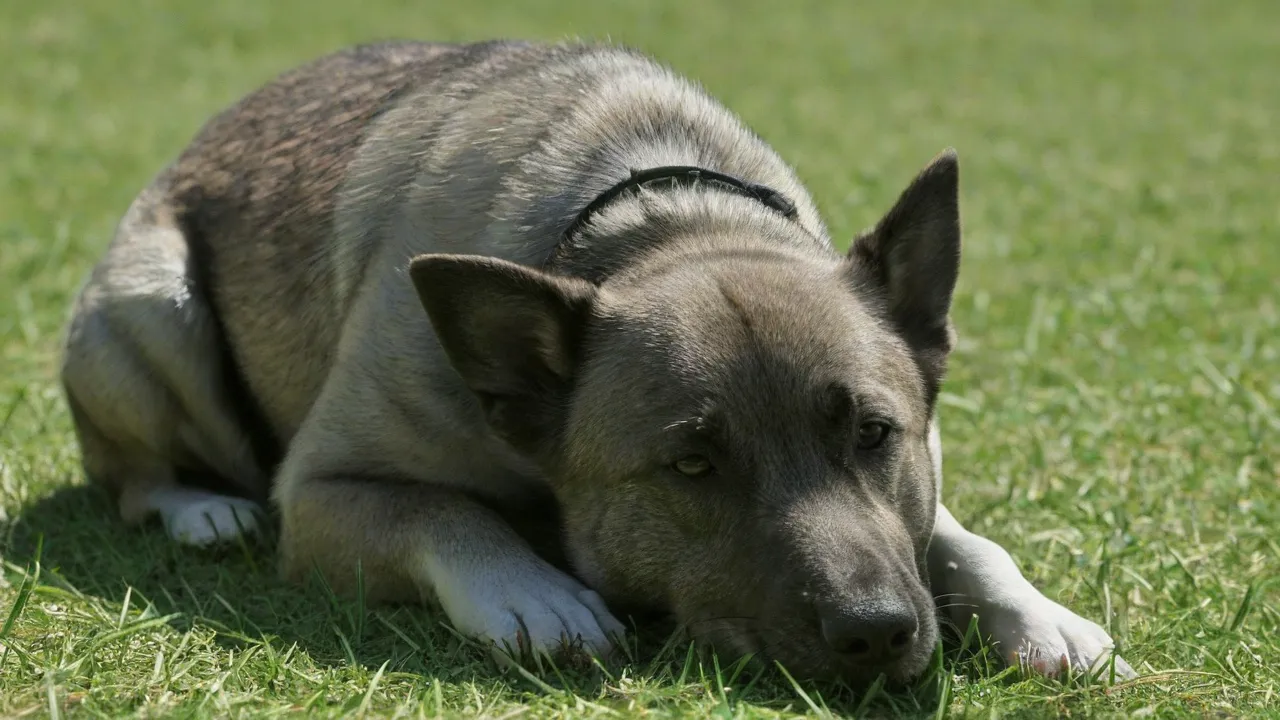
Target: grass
1112, 413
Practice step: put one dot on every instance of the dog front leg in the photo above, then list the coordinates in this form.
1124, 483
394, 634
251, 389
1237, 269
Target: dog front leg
972, 575
412, 539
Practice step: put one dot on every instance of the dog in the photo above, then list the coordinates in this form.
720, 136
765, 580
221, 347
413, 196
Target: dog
541, 333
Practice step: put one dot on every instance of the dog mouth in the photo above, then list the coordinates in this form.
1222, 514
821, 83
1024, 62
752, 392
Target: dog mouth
796, 643
798, 637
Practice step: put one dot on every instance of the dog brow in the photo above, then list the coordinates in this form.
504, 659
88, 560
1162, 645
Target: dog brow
736, 305
696, 422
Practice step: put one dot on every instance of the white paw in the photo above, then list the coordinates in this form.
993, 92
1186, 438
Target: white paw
202, 521
531, 612
1043, 636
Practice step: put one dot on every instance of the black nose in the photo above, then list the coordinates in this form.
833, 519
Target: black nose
871, 633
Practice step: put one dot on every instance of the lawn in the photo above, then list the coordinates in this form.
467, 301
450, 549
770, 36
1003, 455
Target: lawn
1112, 413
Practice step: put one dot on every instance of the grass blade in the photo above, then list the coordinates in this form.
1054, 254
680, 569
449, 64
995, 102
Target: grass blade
29, 580
368, 694
817, 710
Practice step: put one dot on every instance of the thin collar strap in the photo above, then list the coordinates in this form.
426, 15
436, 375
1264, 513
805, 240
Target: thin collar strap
683, 176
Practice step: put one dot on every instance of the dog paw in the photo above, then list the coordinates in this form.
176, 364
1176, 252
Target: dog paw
536, 616
1047, 638
207, 520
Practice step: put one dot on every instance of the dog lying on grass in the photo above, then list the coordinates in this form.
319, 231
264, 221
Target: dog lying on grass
447, 305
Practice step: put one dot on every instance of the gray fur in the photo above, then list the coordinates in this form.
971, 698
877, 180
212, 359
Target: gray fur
352, 293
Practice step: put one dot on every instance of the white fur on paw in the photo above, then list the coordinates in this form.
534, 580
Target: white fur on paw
534, 611
1043, 636
202, 522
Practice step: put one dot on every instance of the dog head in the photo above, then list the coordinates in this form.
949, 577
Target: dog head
736, 432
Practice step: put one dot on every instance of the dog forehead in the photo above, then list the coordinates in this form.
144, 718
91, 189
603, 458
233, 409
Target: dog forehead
776, 328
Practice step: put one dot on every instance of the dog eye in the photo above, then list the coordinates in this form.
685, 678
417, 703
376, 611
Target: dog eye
694, 466
871, 435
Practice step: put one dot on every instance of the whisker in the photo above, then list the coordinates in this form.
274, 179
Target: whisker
957, 604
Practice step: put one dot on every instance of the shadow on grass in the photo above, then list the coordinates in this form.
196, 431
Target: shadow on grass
235, 590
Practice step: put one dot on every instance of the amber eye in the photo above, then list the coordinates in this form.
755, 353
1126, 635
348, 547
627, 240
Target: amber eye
871, 435
694, 466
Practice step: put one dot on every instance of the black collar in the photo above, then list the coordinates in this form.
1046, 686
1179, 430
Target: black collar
683, 175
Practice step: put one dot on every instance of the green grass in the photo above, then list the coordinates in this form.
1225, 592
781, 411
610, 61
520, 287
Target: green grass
1112, 413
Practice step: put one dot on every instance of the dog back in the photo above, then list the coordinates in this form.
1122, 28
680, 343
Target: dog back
322, 184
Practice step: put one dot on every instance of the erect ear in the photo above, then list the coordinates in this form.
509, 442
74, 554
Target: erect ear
912, 259
513, 333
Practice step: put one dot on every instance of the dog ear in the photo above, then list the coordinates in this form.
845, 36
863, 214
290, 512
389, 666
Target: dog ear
911, 258
513, 333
